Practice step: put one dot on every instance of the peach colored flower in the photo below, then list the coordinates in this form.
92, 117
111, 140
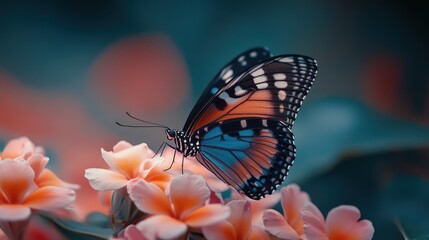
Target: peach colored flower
238, 226
181, 207
192, 166
127, 163
258, 207
289, 225
20, 147
23, 148
19, 194
342, 223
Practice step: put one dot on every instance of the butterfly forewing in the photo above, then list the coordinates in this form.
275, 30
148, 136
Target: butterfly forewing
236, 66
253, 155
274, 88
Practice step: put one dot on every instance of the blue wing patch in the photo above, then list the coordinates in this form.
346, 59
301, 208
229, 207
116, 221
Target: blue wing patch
252, 155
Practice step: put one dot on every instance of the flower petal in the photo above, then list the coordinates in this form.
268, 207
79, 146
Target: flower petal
241, 217
127, 161
103, 179
222, 230
343, 223
162, 227
293, 200
258, 233
15, 229
187, 193
50, 197
158, 177
18, 147
37, 163
314, 222
207, 215
275, 224
48, 178
14, 212
149, 198
258, 207
133, 233
121, 145
16, 177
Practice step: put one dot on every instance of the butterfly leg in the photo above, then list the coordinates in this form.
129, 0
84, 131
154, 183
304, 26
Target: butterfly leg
183, 160
162, 146
174, 156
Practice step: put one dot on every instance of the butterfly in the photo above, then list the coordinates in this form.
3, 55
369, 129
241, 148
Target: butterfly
240, 127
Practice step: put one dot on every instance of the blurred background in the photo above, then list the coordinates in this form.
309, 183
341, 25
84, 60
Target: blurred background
70, 69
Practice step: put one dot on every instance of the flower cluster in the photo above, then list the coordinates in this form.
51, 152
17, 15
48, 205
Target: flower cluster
27, 186
150, 203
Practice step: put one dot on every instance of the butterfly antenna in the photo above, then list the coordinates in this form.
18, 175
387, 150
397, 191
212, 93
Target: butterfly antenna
143, 121
142, 126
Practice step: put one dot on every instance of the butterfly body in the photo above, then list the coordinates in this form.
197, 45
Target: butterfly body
241, 127
186, 145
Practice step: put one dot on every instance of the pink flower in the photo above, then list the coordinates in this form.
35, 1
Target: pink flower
238, 226
23, 148
20, 147
258, 207
289, 225
127, 163
342, 223
181, 207
19, 194
192, 166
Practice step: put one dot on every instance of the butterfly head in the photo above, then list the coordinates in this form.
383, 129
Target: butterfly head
171, 133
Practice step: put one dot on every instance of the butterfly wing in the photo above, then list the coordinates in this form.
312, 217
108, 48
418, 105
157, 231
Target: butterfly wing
274, 88
236, 66
253, 155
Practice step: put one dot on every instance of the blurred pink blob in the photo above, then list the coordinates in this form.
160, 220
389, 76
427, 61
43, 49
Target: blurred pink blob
382, 82
143, 73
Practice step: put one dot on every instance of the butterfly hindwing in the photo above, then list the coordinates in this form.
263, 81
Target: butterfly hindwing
231, 70
274, 88
253, 155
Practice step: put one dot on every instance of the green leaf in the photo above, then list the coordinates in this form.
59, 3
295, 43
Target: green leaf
76, 230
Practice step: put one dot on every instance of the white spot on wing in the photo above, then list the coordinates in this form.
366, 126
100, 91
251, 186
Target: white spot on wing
258, 72
286, 60
282, 95
264, 122
279, 76
280, 84
262, 85
239, 91
243, 123
253, 54
228, 74
260, 79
